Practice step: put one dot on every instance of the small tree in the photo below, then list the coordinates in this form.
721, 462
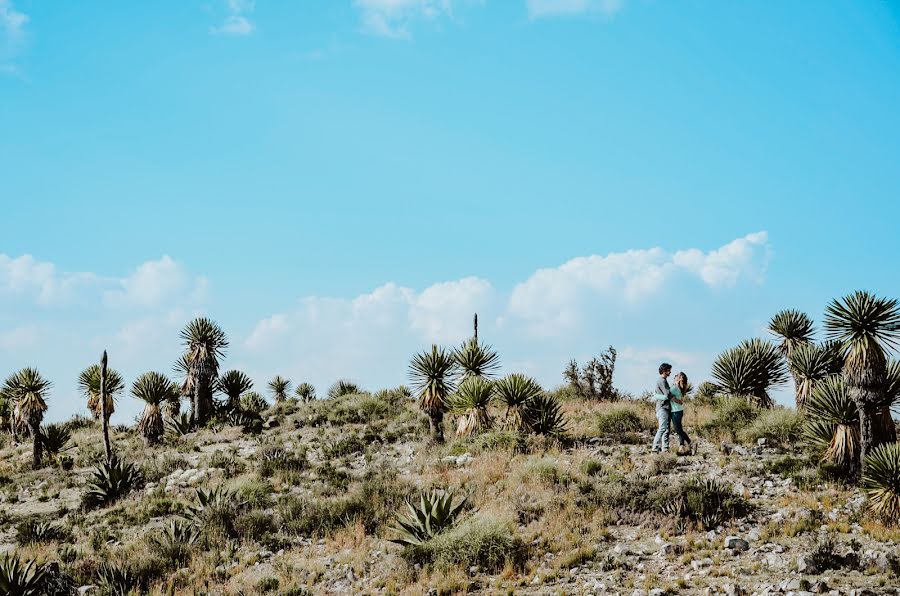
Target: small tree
433, 375
154, 389
280, 387
595, 380
29, 389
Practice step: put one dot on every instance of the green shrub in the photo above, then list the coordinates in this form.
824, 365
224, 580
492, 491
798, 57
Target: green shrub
358, 408
254, 525
881, 482
254, 403
33, 531
547, 470
496, 441
347, 445
730, 415
780, 425
703, 500
268, 584
481, 541
255, 493
274, 459
431, 515
593, 467
619, 421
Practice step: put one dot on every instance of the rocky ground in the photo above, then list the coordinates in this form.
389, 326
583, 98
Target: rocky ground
565, 519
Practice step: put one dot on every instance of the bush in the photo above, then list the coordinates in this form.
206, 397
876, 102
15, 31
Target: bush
342, 387
780, 425
730, 415
546, 470
357, 408
277, 459
38, 532
706, 501
481, 541
254, 525
593, 467
619, 421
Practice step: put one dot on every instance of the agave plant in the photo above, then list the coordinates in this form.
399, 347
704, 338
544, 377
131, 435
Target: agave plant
470, 403
20, 579
476, 360
205, 344
89, 384
179, 425
252, 401
434, 514
810, 363
881, 482
517, 392
233, 383
750, 370
214, 510
433, 375
111, 481
280, 387
546, 417
175, 541
117, 581
832, 422
56, 439
867, 326
28, 390
305, 392
342, 387
155, 389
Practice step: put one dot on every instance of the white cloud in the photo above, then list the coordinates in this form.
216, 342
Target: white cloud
553, 300
26, 276
393, 18
152, 284
556, 8
24, 337
12, 22
237, 22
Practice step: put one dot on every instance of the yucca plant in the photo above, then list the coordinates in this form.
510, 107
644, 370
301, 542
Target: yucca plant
832, 422
433, 376
794, 329
434, 514
342, 387
892, 385
18, 578
154, 389
881, 482
253, 402
205, 344
470, 403
476, 360
89, 385
56, 439
179, 425
234, 383
214, 510
867, 326
546, 417
750, 370
305, 392
118, 581
810, 363
517, 392
111, 481
280, 387
29, 389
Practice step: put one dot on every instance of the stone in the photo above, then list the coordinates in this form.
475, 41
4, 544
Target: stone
736, 543
88, 589
760, 441
667, 548
819, 587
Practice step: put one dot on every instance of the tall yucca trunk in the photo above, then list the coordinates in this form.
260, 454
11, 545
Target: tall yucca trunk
38, 449
864, 373
436, 425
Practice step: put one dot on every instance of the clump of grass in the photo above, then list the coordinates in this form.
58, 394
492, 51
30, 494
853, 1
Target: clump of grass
274, 459
545, 469
593, 467
360, 408
729, 416
779, 425
619, 421
482, 540
34, 531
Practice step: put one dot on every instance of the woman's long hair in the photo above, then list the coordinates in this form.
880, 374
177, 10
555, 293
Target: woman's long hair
681, 382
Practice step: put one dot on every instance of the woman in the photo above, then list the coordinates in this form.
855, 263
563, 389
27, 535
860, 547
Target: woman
679, 392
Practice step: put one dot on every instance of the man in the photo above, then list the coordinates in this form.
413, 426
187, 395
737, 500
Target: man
662, 396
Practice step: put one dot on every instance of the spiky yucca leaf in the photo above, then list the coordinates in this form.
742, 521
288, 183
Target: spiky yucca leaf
155, 389
110, 481
470, 403
342, 387
881, 482
20, 578
56, 439
174, 543
476, 360
811, 363
233, 383
305, 392
434, 514
832, 422
89, 385
892, 385
546, 417
517, 392
750, 370
280, 387
794, 329
433, 375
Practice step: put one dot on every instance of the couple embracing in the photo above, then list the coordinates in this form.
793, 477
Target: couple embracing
670, 410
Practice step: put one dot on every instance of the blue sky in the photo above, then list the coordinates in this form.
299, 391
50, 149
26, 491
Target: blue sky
341, 183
